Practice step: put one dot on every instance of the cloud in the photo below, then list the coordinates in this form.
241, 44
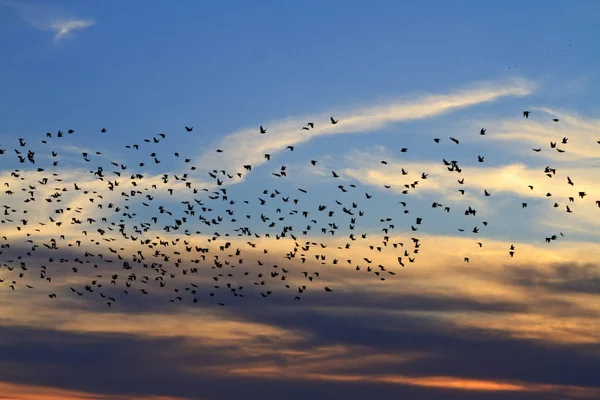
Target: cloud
539, 130
430, 330
43, 17
11, 391
243, 142
64, 27
336, 345
511, 179
508, 184
409, 332
442, 382
459, 289
248, 146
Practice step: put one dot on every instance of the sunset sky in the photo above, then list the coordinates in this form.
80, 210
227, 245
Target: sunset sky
395, 74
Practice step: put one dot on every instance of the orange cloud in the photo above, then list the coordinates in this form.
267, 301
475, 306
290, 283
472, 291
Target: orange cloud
441, 382
12, 391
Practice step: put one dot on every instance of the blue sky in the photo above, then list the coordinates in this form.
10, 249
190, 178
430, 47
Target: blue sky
154, 69
159, 66
397, 74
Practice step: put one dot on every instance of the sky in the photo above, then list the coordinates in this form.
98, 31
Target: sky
394, 74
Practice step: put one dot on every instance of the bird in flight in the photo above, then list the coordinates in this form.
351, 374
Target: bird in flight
163, 235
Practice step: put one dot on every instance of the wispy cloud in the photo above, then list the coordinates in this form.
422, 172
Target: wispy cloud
539, 130
512, 178
247, 146
64, 27
12, 391
43, 17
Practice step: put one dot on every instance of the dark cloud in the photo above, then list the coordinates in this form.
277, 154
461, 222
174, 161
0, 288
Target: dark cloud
132, 365
117, 364
366, 323
564, 277
456, 351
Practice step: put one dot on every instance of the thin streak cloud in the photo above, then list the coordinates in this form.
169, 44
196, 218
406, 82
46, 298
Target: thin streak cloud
246, 147
43, 17
64, 27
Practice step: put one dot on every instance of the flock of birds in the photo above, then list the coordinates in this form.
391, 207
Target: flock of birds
163, 261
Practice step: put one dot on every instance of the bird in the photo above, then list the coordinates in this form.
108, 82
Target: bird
279, 211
